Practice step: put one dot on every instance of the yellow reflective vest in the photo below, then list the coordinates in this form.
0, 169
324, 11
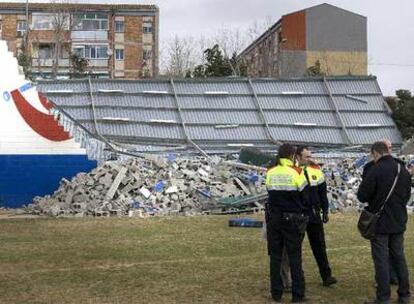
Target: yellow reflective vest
285, 184
317, 193
315, 175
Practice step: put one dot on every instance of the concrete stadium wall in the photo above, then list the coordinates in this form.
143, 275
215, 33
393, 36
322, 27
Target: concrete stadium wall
35, 152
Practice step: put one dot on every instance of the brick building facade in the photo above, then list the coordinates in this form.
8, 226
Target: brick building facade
119, 40
334, 37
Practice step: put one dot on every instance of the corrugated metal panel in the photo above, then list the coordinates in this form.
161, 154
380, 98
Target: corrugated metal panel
253, 133
132, 86
69, 100
369, 136
193, 87
356, 118
217, 102
308, 135
143, 115
298, 102
166, 132
277, 87
350, 86
233, 109
375, 103
221, 117
137, 101
290, 118
80, 113
75, 85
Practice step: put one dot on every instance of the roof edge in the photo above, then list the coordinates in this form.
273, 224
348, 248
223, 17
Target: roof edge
209, 79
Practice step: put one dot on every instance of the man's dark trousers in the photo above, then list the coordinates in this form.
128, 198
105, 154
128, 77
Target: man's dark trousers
316, 236
281, 233
385, 247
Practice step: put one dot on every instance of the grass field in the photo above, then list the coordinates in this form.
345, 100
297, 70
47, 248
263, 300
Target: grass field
167, 260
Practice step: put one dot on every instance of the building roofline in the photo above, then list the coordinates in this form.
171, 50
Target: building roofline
87, 6
271, 29
337, 7
212, 79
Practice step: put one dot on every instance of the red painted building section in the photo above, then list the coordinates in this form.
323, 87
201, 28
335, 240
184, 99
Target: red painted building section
294, 31
43, 124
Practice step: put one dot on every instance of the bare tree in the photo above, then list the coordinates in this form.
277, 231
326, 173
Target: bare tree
257, 28
61, 24
180, 56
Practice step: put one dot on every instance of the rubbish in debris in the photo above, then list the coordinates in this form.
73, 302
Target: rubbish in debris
177, 185
245, 222
154, 186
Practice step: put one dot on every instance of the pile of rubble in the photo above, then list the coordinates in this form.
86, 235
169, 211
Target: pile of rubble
343, 178
155, 186
185, 186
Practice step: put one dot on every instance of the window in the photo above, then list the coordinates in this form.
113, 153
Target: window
46, 51
119, 26
21, 28
96, 52
90, 21
80, 51
42, 22
147, 28
45, 21
119, 54
92, 51
147, 54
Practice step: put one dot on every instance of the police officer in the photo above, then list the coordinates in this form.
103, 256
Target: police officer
316, 205
285, 222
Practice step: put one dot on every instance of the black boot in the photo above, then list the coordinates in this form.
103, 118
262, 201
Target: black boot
330, 281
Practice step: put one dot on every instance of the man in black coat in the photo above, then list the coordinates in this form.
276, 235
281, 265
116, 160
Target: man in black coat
389, 241
387, 142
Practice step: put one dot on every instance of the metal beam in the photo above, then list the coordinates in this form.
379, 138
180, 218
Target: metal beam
262, 116
187, 137
338, 114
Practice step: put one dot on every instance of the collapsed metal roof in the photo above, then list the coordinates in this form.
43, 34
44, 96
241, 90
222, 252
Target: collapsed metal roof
225, 114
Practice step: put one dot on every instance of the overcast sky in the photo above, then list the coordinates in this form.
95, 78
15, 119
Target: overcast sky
390, 27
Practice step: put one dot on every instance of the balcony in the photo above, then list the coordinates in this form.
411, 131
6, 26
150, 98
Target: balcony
63, 62
89, 36
99, 63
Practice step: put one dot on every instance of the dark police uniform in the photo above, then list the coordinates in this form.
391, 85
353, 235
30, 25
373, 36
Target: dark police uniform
317, 202
286, 225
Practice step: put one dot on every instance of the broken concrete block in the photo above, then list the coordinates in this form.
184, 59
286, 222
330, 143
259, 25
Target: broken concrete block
172, 189
116, 183
202, 172
145, 192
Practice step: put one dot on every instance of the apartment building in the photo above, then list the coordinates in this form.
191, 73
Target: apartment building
118, 40
324, 35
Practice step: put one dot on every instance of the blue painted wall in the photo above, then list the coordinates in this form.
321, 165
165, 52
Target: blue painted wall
22, 177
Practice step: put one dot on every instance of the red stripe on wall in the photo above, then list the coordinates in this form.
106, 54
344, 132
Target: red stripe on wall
45, 102
43, 124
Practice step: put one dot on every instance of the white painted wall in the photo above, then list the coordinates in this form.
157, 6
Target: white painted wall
16, 136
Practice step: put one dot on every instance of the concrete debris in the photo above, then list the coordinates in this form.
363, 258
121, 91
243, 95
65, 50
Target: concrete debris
151, 186
343, 178
186, 186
